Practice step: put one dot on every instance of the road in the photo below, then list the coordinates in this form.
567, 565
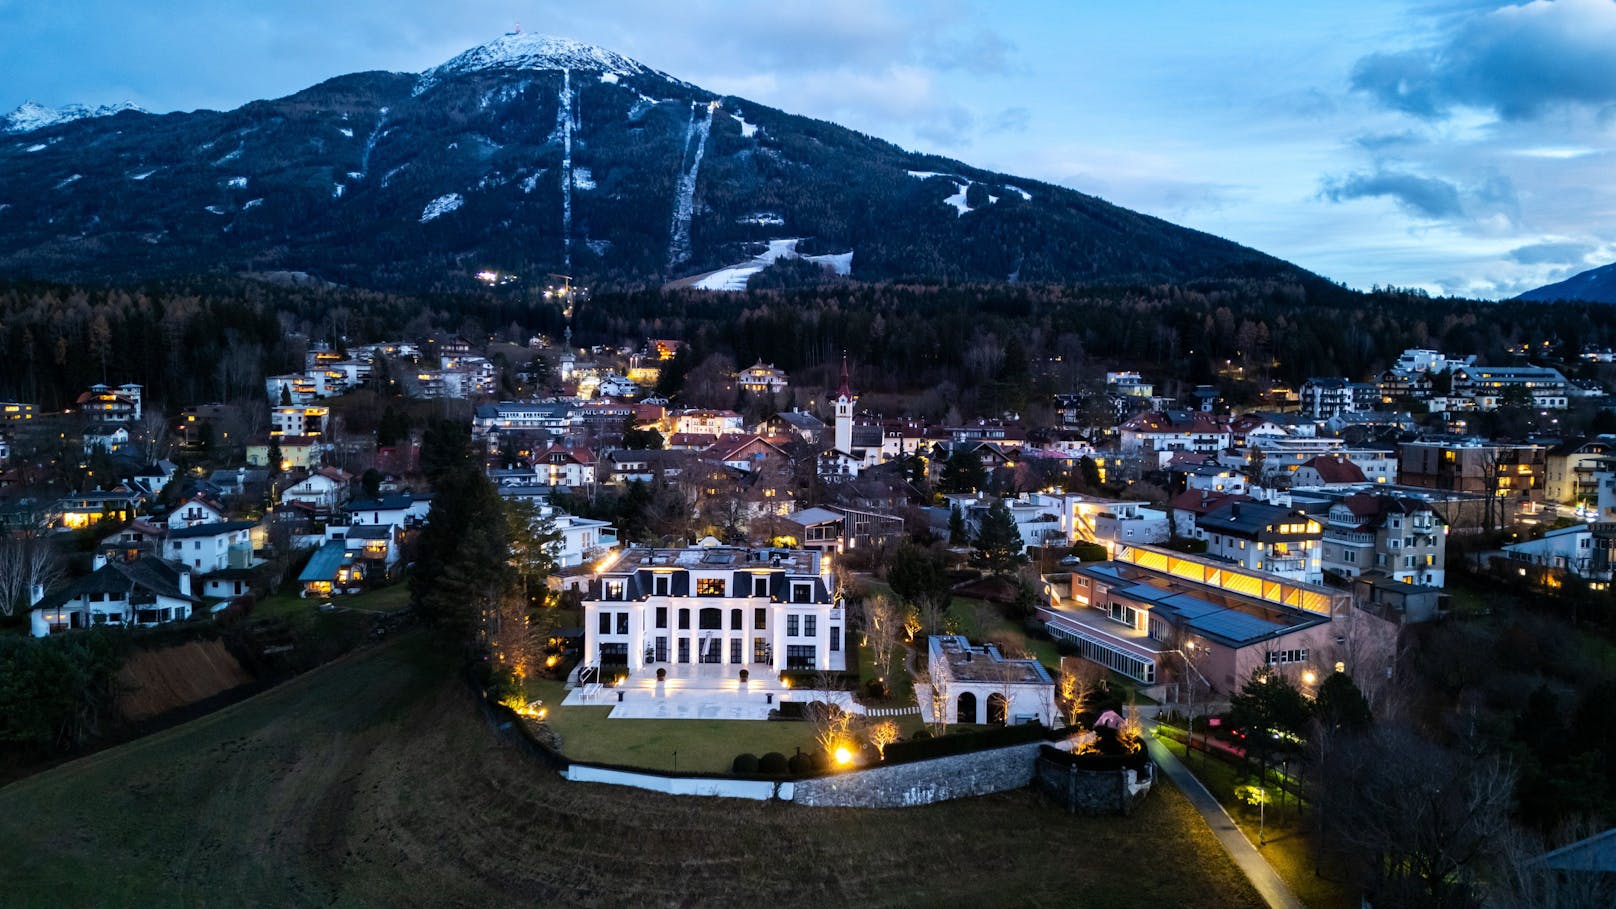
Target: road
1270, 886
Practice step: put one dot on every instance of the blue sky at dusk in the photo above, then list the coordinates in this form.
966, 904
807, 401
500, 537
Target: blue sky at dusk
1462, 147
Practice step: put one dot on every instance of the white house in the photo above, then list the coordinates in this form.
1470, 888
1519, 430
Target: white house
1105, 521
106, 438
1267, 538
1576, 549
195, 511
765, 610
207, 548
324, 490
979, 685
147, 591
395, 511
582, 539
299, 420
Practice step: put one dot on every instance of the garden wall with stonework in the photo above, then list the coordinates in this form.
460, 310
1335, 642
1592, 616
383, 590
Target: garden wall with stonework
922, 782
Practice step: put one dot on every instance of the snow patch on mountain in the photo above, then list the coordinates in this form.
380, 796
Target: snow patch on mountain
31, 115
762, 219
531, 52
143, 174
346, 132
441, 206
609, 78
1025, 196
36, 148
214, 209
337, 189
228, 158
748, 130
684, 200
531, 182
251, 204
735, 277
236, 183
583, 178
68, 181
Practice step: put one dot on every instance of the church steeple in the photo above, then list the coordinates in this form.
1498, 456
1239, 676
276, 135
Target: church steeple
845, 399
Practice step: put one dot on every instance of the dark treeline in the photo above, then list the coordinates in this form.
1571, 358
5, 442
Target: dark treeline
215, 340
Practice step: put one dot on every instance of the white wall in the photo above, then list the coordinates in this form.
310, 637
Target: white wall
758, 790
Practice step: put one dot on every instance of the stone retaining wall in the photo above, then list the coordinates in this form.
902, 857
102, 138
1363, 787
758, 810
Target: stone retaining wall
922, 782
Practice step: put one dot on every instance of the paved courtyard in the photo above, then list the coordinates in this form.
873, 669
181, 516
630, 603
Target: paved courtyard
700, 693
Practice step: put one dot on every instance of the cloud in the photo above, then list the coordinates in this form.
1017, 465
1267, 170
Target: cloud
1428, 197
1516, 61
1553, 252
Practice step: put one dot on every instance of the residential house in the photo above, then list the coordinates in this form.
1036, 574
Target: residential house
297, 452
16, 412
1587, 551
1327, 471
1165, 431
570, 468
1508, 471
1570, 470
333, 570
766, 610
299, 420
981, 685
108, 438
1329, 396
1091, 519
387, 510
705, 422
111, 405
749, 453
193, 511
147, 591
793, 423
206, 548
1397, 537
835, 529
1268, 538
324, 491
87, 509
762, 379
1541, 387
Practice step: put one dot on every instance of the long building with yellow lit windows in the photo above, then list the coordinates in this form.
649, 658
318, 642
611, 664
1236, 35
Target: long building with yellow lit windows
731, 608
1150, 614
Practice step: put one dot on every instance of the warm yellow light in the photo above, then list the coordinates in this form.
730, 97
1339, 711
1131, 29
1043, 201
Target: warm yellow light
843, 756
1309, 677
551, 660
786, 682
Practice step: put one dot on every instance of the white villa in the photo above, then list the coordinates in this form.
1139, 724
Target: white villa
764, 610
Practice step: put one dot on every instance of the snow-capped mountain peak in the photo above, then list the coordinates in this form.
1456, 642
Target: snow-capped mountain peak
31, 115
536, 52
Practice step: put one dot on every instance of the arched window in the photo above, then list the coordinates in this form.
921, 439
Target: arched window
998, 709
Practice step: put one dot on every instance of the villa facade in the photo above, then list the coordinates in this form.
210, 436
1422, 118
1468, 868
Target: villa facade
764, 610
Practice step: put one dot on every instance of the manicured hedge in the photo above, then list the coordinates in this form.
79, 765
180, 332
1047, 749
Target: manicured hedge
963, 743
809, 680
1095, 762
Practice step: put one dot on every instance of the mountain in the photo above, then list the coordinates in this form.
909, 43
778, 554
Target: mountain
1596, 285
531, 155
31, 115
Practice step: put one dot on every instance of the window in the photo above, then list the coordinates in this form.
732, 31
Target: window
622, 623
760, 650
734, 650
684, 650
615, 590
662, 617
799, 656
605, 623
810, 625
760, 585
709, 587
760, 618
662, 584
712, 619
835, 638
684, 619
1283, 657
662, 649
791, 626
802, 593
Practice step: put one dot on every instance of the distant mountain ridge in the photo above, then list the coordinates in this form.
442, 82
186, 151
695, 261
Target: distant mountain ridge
31, 115
1596, 285
531, 154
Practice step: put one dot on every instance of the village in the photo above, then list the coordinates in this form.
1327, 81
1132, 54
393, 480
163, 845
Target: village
1120, 573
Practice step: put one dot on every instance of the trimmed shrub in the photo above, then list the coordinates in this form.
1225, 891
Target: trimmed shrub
745, 675
820, 761
661, 674
800, 764
919, 736
774, 764
918, 749
876, 689
745, 763
810, 679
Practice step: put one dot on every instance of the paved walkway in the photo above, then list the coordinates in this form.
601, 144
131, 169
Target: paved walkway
1273, 889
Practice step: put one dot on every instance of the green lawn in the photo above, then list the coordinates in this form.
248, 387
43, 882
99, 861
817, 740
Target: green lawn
391, 598
1288, 828
375, 781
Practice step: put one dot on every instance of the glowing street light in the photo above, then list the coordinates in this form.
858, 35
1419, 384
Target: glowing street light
844, 757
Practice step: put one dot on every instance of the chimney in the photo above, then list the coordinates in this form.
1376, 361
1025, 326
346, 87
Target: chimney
36, 592
185, 581
98, 562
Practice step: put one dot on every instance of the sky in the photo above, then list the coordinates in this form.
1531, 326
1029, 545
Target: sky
1461, 147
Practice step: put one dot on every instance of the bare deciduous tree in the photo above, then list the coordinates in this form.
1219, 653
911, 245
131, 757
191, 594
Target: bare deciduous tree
881, 735
881, 628
936, 686
1079, 679
26, 565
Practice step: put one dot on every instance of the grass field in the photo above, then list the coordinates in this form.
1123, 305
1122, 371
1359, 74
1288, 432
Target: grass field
291, 606
375, 782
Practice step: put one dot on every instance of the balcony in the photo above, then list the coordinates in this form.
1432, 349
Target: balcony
1284, 565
